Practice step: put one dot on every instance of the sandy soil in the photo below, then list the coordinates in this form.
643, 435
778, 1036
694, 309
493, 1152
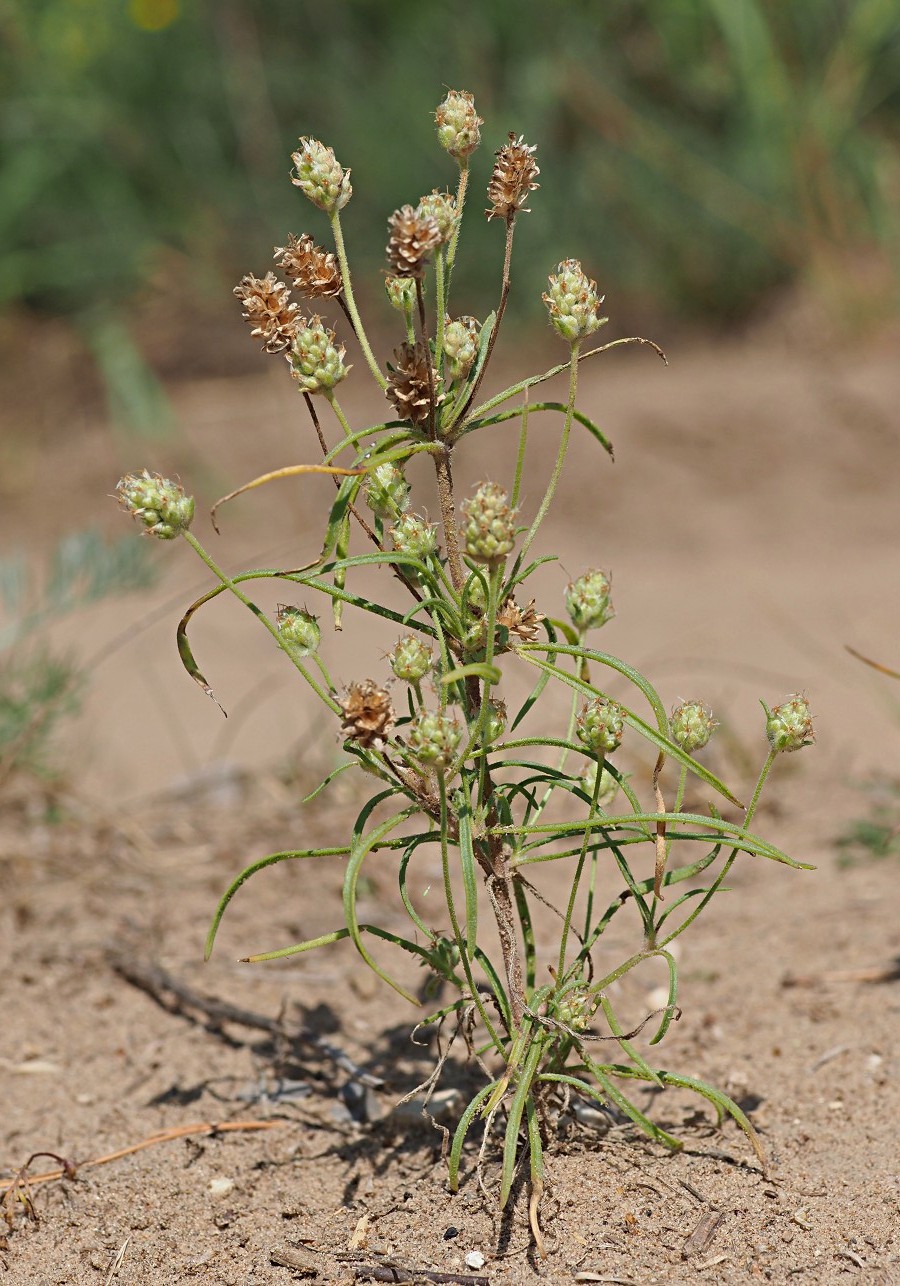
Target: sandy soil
750, 525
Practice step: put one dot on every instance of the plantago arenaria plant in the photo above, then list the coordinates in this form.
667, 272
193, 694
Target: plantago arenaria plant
493, 792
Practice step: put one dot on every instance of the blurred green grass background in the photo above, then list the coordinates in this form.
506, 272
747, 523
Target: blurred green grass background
698, 155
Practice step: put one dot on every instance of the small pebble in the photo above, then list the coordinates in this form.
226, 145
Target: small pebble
219, 1187
474, 1259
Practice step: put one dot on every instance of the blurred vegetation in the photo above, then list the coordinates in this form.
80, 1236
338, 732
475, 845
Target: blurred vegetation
695, 153
39, 684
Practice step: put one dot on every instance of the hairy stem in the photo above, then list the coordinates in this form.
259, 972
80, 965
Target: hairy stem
355, 318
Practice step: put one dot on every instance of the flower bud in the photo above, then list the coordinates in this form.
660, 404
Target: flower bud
317, 363
411, 659
575, 1008
401, 293
573, 303
601, 725
411, 534
587, 600
458, 124
440, 206
490, 529
496, 720
608, 788
460, 346
387, 491
692, 725
298, 628
434, 738
160, 504
320, 177
789, 726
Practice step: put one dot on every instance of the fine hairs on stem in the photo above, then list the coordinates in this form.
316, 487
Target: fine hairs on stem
446, 768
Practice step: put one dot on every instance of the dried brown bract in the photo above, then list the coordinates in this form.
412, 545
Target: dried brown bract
313, 269
268, 309
409, 383
413, 237
513, 178
367, 714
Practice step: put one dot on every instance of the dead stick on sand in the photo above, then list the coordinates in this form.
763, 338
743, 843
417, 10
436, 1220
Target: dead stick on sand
69, 1170
175, 997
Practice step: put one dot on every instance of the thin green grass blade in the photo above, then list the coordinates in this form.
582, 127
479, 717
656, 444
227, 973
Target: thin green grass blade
362, 846
524, 1087
273, 859
470, 881
672, 1000
721, 1102
462, 1129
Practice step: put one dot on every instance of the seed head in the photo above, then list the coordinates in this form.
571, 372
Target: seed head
411, 534
413, 237
387, 491
157, 502
460, 346
601, 725
268, 309
789, 726
298, 628
490, 529
367, 715
317, 363
320, 177
587, 601
401, 293
458, 124
692, 725
408, 387
411, 659
512, 180
313, 269
433, 739
572, 302
440, 206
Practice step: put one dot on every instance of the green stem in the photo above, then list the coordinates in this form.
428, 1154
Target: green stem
520, 456
341, 417
460, 202
260, 615
351, 302
751, 809
441, 307
561, 454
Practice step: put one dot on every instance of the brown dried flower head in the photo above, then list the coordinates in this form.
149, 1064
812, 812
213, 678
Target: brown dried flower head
313, 269
408, 383
413, 237
367, 714
268, 309
513, 178
523, 622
